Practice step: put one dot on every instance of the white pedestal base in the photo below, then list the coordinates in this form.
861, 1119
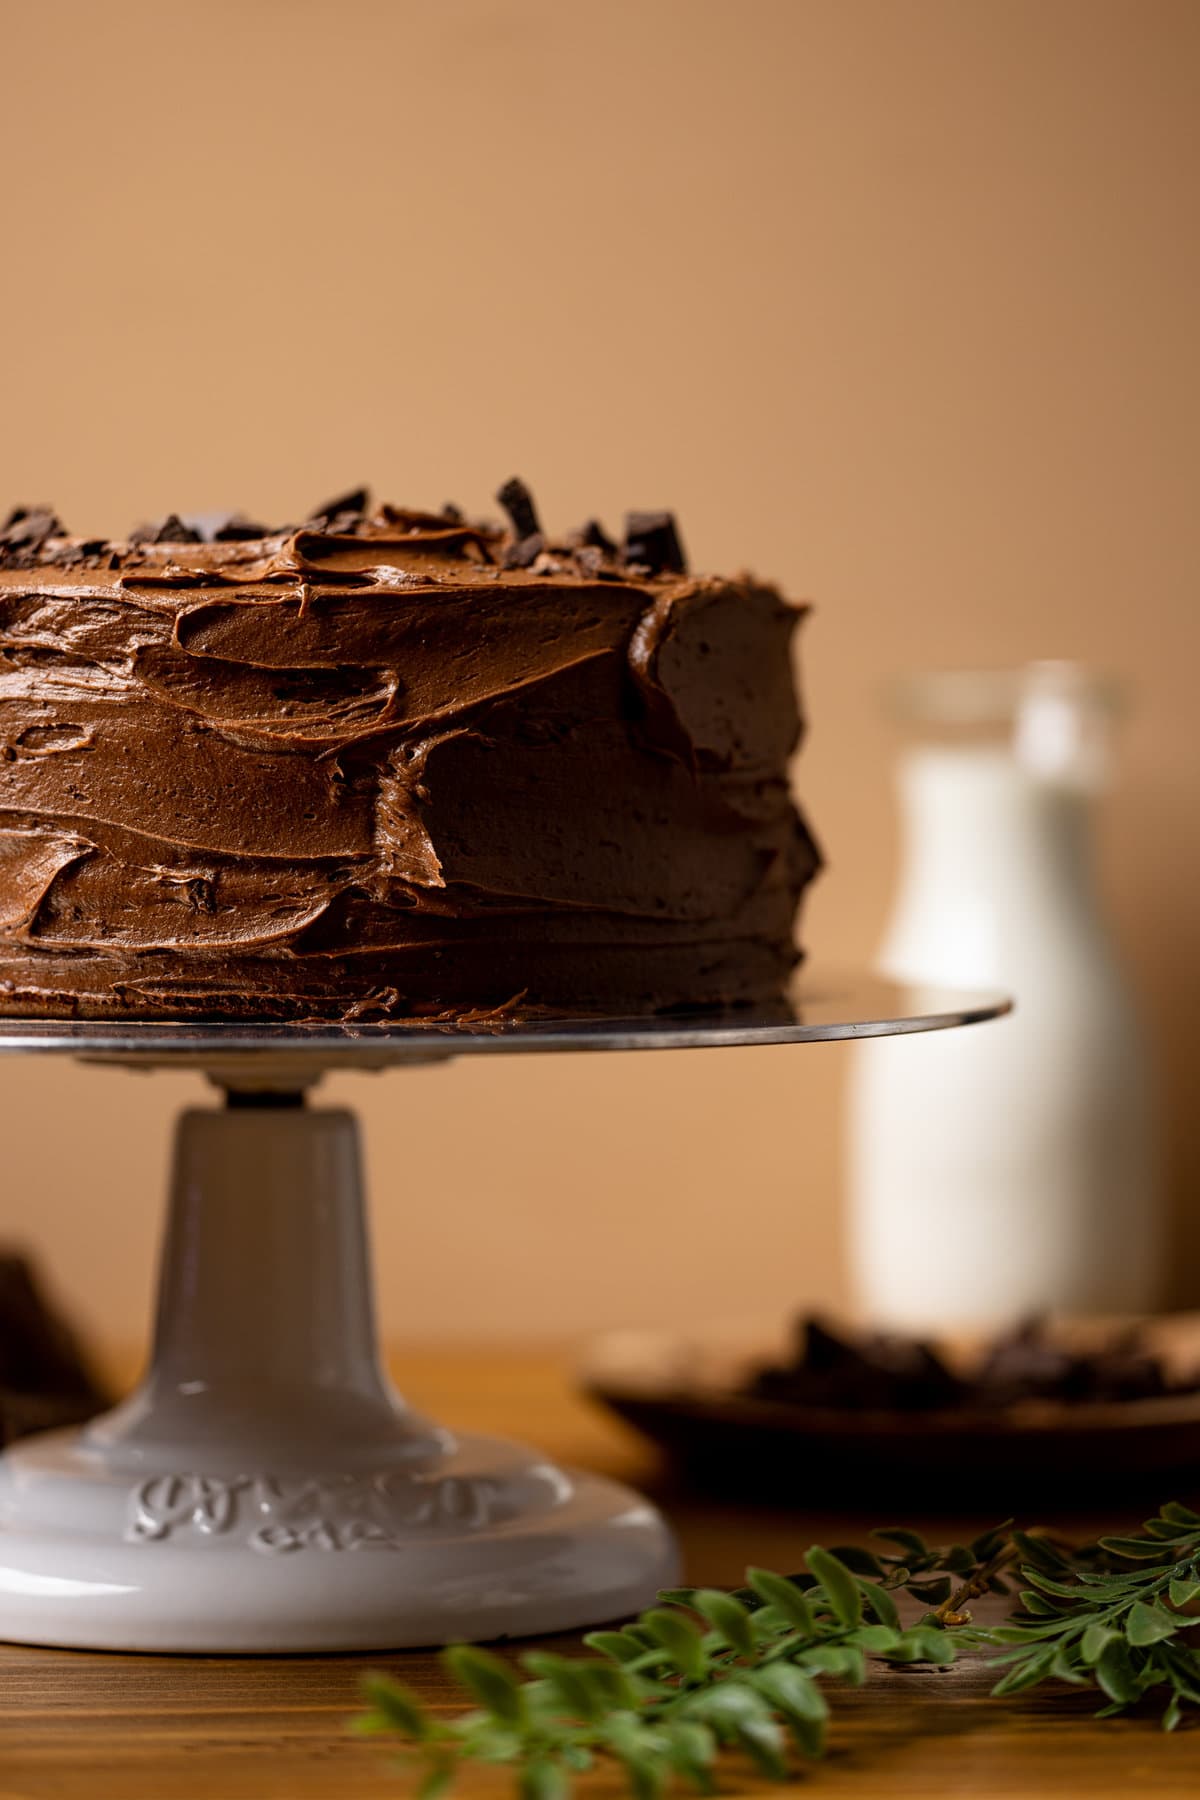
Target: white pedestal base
489, 1544
265, 1489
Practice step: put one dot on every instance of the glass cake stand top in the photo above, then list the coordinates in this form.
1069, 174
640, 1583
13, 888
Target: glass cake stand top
265, 1489
819, 1008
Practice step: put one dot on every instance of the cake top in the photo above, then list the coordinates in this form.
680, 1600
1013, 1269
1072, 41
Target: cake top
347, 540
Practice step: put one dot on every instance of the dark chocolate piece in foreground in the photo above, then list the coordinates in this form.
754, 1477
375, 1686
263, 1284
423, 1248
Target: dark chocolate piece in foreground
45, 1381
882, 1370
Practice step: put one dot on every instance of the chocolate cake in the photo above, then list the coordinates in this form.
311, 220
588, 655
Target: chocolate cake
387, 764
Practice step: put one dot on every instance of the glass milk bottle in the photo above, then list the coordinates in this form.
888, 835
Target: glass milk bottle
999, 1171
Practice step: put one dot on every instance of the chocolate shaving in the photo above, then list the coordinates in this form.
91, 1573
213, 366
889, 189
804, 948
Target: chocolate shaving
524, 552
174, 531
517, 502
90, 553
594, 535
346, 509
28, 527
651, 539
237, 528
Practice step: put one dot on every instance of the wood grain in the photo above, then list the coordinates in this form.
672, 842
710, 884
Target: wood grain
77, 1726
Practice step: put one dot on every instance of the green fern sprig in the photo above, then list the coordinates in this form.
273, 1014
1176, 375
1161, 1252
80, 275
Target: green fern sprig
708, 1672
1092, 1618
703, 1672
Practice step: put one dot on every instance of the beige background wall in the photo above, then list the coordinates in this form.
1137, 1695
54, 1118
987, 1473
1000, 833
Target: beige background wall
895, 299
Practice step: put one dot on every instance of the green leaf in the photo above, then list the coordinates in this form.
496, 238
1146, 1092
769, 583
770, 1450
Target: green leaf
397, 1707
959, 1560
989, 1543
935, 1646
911, 1542
638, 1750
1063, 1668
1025, 1674
1094, 1639
933, 1593
565, 1681
621, 1646
878, 1601
783, 1595
904, 1650
1037, 1604
841, 1589
577, 1757
763, 1742
859, 1561
728, 1617
1182, 1593
1149, 1624
487, 1679
1046, 1584
1041, 1552
691, 1749
1022, 1634
1184, 1672
614, 1688
436, 1781
583, 1689
1180, 1515
679, 1639
791, 1692
1115, 1674
845, 1661
543, 1779
647, 1776
492, 1743
1167, 1531
727, 1707
1134, 1549
876, 1640
808, 1735
1173, 1714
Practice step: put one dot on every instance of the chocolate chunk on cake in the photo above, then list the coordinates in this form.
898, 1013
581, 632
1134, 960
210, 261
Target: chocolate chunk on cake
389, 764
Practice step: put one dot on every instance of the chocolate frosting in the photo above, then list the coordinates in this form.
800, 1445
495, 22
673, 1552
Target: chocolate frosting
389, 763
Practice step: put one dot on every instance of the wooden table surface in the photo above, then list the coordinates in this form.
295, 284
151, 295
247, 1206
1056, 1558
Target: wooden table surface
80, 1726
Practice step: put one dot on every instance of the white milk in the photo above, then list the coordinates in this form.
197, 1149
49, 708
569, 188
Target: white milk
1006, 1167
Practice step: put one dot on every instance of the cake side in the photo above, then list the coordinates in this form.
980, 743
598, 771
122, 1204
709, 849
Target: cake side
389, 764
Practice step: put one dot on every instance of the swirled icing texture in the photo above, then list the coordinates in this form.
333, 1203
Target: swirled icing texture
370, 769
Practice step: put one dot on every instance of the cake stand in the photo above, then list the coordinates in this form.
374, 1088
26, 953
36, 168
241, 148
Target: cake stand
265, 1489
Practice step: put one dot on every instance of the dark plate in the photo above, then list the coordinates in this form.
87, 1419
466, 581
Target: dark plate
683, 1396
